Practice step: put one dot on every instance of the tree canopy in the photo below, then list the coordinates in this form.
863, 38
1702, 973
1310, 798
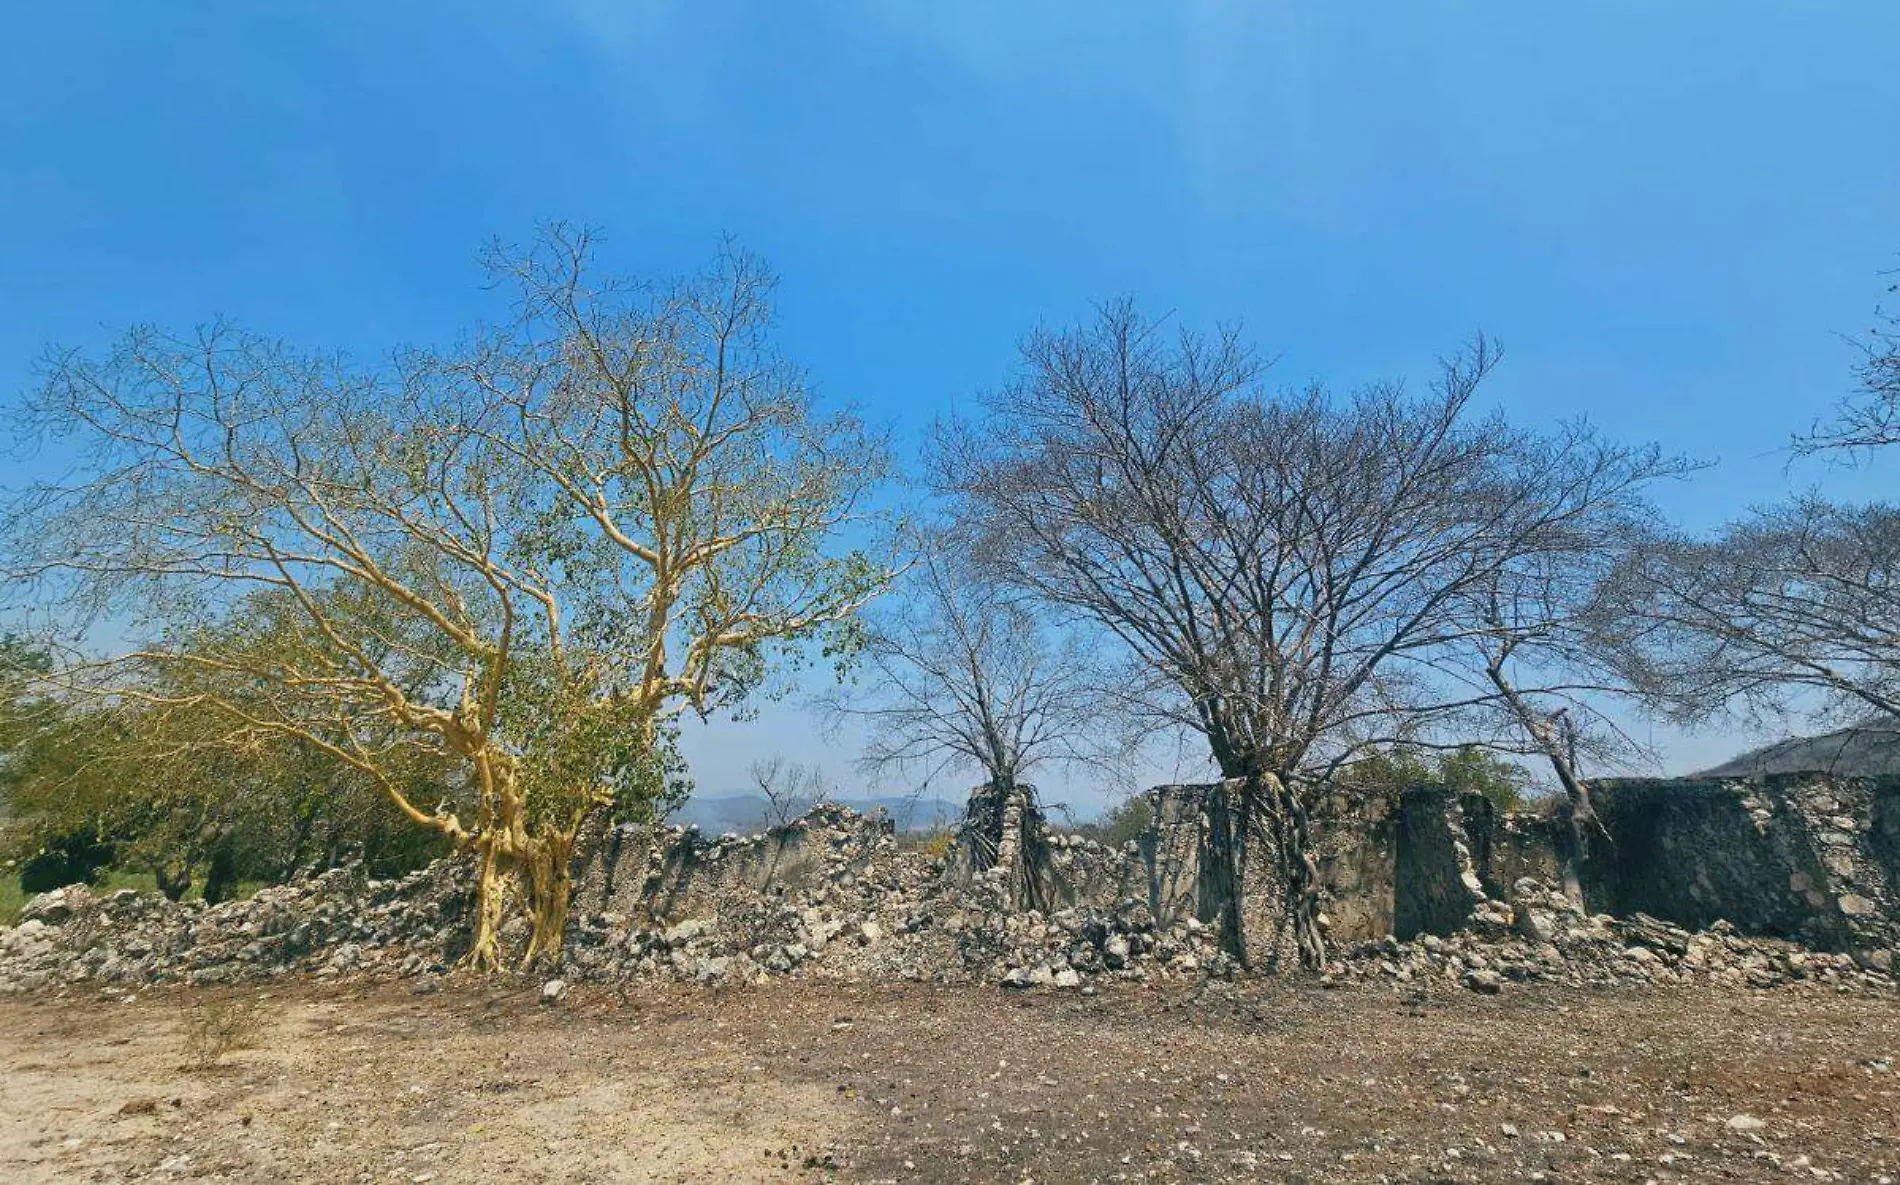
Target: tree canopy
524, 555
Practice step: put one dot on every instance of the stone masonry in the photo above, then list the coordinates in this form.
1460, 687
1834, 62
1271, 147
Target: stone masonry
1763, 880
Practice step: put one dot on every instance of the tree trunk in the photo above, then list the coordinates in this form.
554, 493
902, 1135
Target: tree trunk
174, 880
529, 873
1299, 870
1227, 819
1559, 748
1583, 827
551, 887
220, 874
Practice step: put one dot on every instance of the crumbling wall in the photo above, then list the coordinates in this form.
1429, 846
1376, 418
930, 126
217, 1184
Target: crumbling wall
1005, 842
1185, 880
1357, 843
837, 894
1793, 855
1883, 835
1518, 845
1436, 886
1004, 838
1695, 852
1171, 852
647, 873
1801, 856
1798, 856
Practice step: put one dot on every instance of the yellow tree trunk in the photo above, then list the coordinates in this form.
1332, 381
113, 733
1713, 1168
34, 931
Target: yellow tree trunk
522, 869
529, 878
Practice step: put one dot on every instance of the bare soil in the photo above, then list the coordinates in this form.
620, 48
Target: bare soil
808, 1082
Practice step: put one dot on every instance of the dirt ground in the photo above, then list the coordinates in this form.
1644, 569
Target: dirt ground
804, 1082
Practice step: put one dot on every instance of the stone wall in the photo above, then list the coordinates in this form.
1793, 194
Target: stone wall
1707, 877
1801, 856
640, 873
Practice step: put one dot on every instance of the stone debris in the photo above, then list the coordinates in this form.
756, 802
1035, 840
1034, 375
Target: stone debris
338, 923
858, 906
1544, 937
838, 896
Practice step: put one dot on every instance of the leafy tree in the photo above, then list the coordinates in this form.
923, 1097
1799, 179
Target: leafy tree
1127, 820
1468, 769
523, 557
155, 791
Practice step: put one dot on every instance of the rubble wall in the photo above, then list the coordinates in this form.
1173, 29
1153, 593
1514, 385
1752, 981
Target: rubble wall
1807, 857
1358, 869
1435, 885
1705, 877
1883, 838
638, 872
1791, 855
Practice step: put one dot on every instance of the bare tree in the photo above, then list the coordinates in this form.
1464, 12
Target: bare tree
1546, 673
958, 677
1795, 608
1294, 572
961, 677
790, 788
1870, 418
526, 555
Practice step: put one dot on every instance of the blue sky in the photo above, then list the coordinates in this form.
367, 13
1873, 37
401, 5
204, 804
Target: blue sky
1668, 213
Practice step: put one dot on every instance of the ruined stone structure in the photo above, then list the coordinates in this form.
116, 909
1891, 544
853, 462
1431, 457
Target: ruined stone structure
1801, 856
1808, 857
1755, 881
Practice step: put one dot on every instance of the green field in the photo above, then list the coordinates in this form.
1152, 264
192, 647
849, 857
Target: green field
12, 897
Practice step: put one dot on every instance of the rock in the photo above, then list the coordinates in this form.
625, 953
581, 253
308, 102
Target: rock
684, 933
1744, 1122
1534, 925
1068, 978
1484, 981
1855, 906
58, 906
1875, 960
870, 931
553, 990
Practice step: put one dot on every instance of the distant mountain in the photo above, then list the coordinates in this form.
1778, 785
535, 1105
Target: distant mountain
746, 813
1867, 750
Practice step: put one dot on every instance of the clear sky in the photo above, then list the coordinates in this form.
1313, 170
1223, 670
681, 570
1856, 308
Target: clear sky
1670, 214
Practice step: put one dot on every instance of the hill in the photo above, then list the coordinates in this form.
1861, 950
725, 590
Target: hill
1866, 750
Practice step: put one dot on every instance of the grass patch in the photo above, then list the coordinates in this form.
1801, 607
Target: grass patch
114, 879
13, 897
217, 1025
